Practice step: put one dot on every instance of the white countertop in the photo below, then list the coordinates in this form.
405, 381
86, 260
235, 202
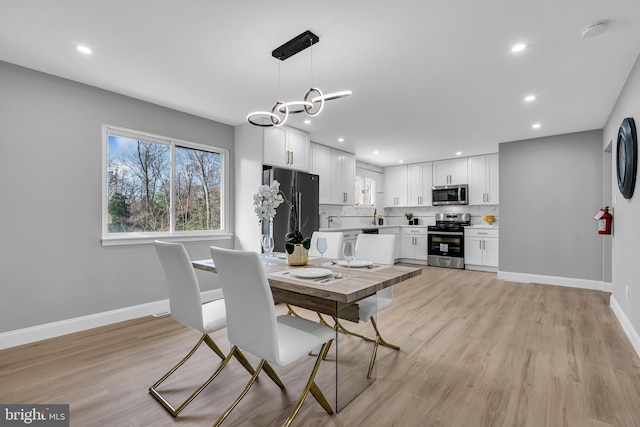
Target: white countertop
491, 227
367, 227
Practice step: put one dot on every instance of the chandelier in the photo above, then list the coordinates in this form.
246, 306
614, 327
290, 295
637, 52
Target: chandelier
313, 101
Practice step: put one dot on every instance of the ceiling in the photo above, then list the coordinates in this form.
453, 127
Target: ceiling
429, 78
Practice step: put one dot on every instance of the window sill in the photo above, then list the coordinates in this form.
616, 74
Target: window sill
147, 239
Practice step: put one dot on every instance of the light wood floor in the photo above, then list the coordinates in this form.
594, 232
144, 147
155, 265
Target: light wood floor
476, 351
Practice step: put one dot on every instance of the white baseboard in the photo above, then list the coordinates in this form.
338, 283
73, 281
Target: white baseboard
632, 334
552, 280
68, 326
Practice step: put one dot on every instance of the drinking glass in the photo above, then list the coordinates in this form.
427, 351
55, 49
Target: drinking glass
321, 245
267, 246
349, 253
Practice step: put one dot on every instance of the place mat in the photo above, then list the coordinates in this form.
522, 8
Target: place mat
372, 268
320, 281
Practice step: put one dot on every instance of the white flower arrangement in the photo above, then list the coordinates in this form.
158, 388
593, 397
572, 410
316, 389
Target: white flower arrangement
266, 200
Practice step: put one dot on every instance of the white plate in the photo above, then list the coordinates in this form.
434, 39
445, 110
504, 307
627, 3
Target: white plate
311, 273
355, 263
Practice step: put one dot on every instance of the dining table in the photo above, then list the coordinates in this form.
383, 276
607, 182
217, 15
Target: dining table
333, 289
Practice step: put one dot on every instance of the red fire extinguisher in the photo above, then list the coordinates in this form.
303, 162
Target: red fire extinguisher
604, 219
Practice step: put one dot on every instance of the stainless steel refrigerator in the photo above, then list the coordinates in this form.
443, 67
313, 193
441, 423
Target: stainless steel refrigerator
299, 186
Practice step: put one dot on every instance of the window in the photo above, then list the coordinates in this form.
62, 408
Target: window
158, 187
365, 191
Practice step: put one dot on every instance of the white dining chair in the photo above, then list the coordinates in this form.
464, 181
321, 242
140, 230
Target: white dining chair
379, 249
186, 307
334, 244
252, 324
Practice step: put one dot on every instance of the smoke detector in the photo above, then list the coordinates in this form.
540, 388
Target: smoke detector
594, 29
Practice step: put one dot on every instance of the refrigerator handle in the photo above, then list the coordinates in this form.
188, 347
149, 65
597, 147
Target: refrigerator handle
299, 204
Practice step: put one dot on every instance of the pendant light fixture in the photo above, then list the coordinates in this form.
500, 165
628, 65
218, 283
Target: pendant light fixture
313, 101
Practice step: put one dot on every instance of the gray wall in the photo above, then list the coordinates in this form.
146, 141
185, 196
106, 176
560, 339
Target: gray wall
550, 189
626, 216
52, 264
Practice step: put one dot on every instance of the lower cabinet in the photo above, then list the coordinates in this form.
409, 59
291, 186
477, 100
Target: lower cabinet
414, 243
481, 249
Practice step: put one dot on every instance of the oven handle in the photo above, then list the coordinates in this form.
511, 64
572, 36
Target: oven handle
447, 233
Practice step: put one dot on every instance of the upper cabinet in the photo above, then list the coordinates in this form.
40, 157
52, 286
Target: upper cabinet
447, 172
420, 182
396, 186
483, 180
337, 171
343, 179
287, 148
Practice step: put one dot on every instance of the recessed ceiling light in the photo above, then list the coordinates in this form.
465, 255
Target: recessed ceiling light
594, 29
375, 152
458, 153
529, 98
340, 139
307, 122
83, 49
519, 47
536, 126
400, 161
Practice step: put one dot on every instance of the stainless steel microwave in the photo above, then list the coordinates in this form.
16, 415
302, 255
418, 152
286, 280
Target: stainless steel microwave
450, 195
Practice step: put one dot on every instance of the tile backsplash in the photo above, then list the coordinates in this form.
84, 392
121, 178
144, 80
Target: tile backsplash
332, 216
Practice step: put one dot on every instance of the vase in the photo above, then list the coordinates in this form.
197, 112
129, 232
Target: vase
299, 256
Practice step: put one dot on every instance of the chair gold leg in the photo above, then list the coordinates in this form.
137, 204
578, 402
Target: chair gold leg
272, 374
292, 311
344, 330
244, 392
379, 341
213, 346
311, 386
373, 358
240, 357
382, 341
322, 321
168, 406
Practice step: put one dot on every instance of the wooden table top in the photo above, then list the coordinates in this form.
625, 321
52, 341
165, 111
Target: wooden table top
347, 290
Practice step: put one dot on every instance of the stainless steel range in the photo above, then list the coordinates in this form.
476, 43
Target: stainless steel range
446, 240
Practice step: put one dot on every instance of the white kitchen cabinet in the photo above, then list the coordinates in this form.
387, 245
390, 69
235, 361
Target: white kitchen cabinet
414, 243
483, 180
449, 172
337, 171
321, 165
395, 231
344, 178
420, 178
481, 249
287, 148
396, 186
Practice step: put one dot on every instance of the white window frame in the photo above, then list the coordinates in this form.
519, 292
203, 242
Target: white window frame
114, 239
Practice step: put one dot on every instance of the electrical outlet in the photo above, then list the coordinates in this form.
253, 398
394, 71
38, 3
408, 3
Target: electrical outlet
626, 292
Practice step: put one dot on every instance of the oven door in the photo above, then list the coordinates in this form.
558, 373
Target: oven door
442, 243
445, 249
